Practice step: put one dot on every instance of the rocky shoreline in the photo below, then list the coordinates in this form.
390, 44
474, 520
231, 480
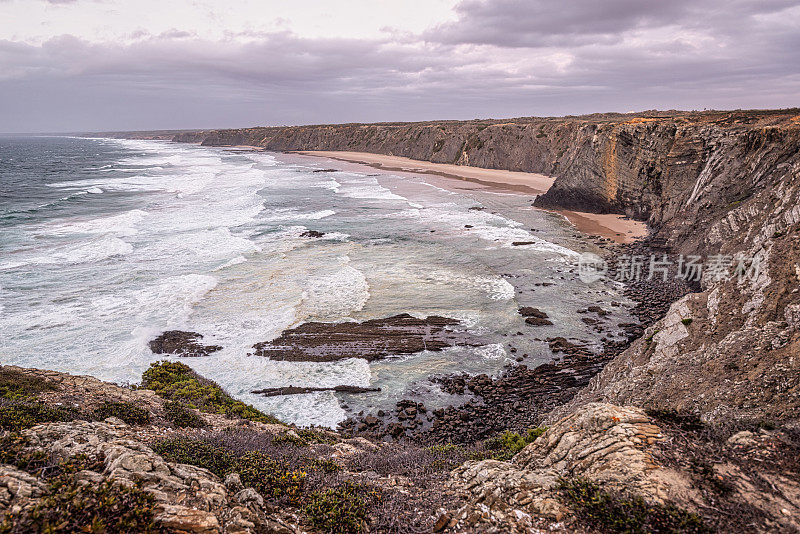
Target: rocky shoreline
521, 396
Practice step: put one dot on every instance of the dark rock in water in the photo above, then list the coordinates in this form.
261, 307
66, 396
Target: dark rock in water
292, 390
324, 170
534, 316
522, 243
528, 311
312, 233
371, 340
181, 343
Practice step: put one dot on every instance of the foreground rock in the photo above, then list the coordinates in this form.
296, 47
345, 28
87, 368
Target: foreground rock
187, 499
372, 340
182, 343
622, 451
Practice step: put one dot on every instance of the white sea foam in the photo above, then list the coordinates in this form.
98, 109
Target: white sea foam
487, 226
331, 184
214, 245
230, 263
123, 225
92, 251
168, 301
494, 351
335, 292
12, 264
496, 288
367, 188
294, 214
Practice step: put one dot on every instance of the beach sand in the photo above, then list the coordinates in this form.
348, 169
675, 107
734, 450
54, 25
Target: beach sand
520, 181
613, 226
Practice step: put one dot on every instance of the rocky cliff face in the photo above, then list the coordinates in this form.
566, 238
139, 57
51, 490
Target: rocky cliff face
630, 163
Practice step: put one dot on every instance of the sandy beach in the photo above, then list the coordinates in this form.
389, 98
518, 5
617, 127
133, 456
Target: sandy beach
519, 181
613, 226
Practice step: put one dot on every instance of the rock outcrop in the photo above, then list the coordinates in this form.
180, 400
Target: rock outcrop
372, 340
181, 343
296, 390
622, 451
188, 499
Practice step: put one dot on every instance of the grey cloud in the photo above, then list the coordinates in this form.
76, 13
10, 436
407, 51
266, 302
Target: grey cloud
504, 58
539, 23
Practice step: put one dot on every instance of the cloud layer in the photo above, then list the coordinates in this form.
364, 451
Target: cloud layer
493, 58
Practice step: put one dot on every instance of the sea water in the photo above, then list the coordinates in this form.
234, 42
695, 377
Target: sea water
106, 243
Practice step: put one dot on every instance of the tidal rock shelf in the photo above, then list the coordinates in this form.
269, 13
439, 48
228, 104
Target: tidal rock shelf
181, 343
293, 390
371, 340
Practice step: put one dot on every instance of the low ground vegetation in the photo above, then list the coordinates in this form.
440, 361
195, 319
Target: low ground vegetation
177, 382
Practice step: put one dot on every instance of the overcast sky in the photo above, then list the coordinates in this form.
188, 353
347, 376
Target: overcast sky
78, 65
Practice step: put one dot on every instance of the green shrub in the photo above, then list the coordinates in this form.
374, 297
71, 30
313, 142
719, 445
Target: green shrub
176, 381
649, 339
341, 510
181, 416
326, 465
130, 414
268, 476
508, 444
446, 457
15, 384
609, 512
290, 438
311, 435
21, 415
107, 508
687, 321
16, 450
196, 452
69, 505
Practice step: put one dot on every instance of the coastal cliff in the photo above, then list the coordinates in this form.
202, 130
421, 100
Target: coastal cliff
712, 184
602, 163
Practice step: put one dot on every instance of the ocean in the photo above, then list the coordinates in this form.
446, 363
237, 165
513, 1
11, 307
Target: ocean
106, 243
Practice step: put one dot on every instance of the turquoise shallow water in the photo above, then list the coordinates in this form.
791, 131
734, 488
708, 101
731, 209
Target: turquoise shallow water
105, 243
